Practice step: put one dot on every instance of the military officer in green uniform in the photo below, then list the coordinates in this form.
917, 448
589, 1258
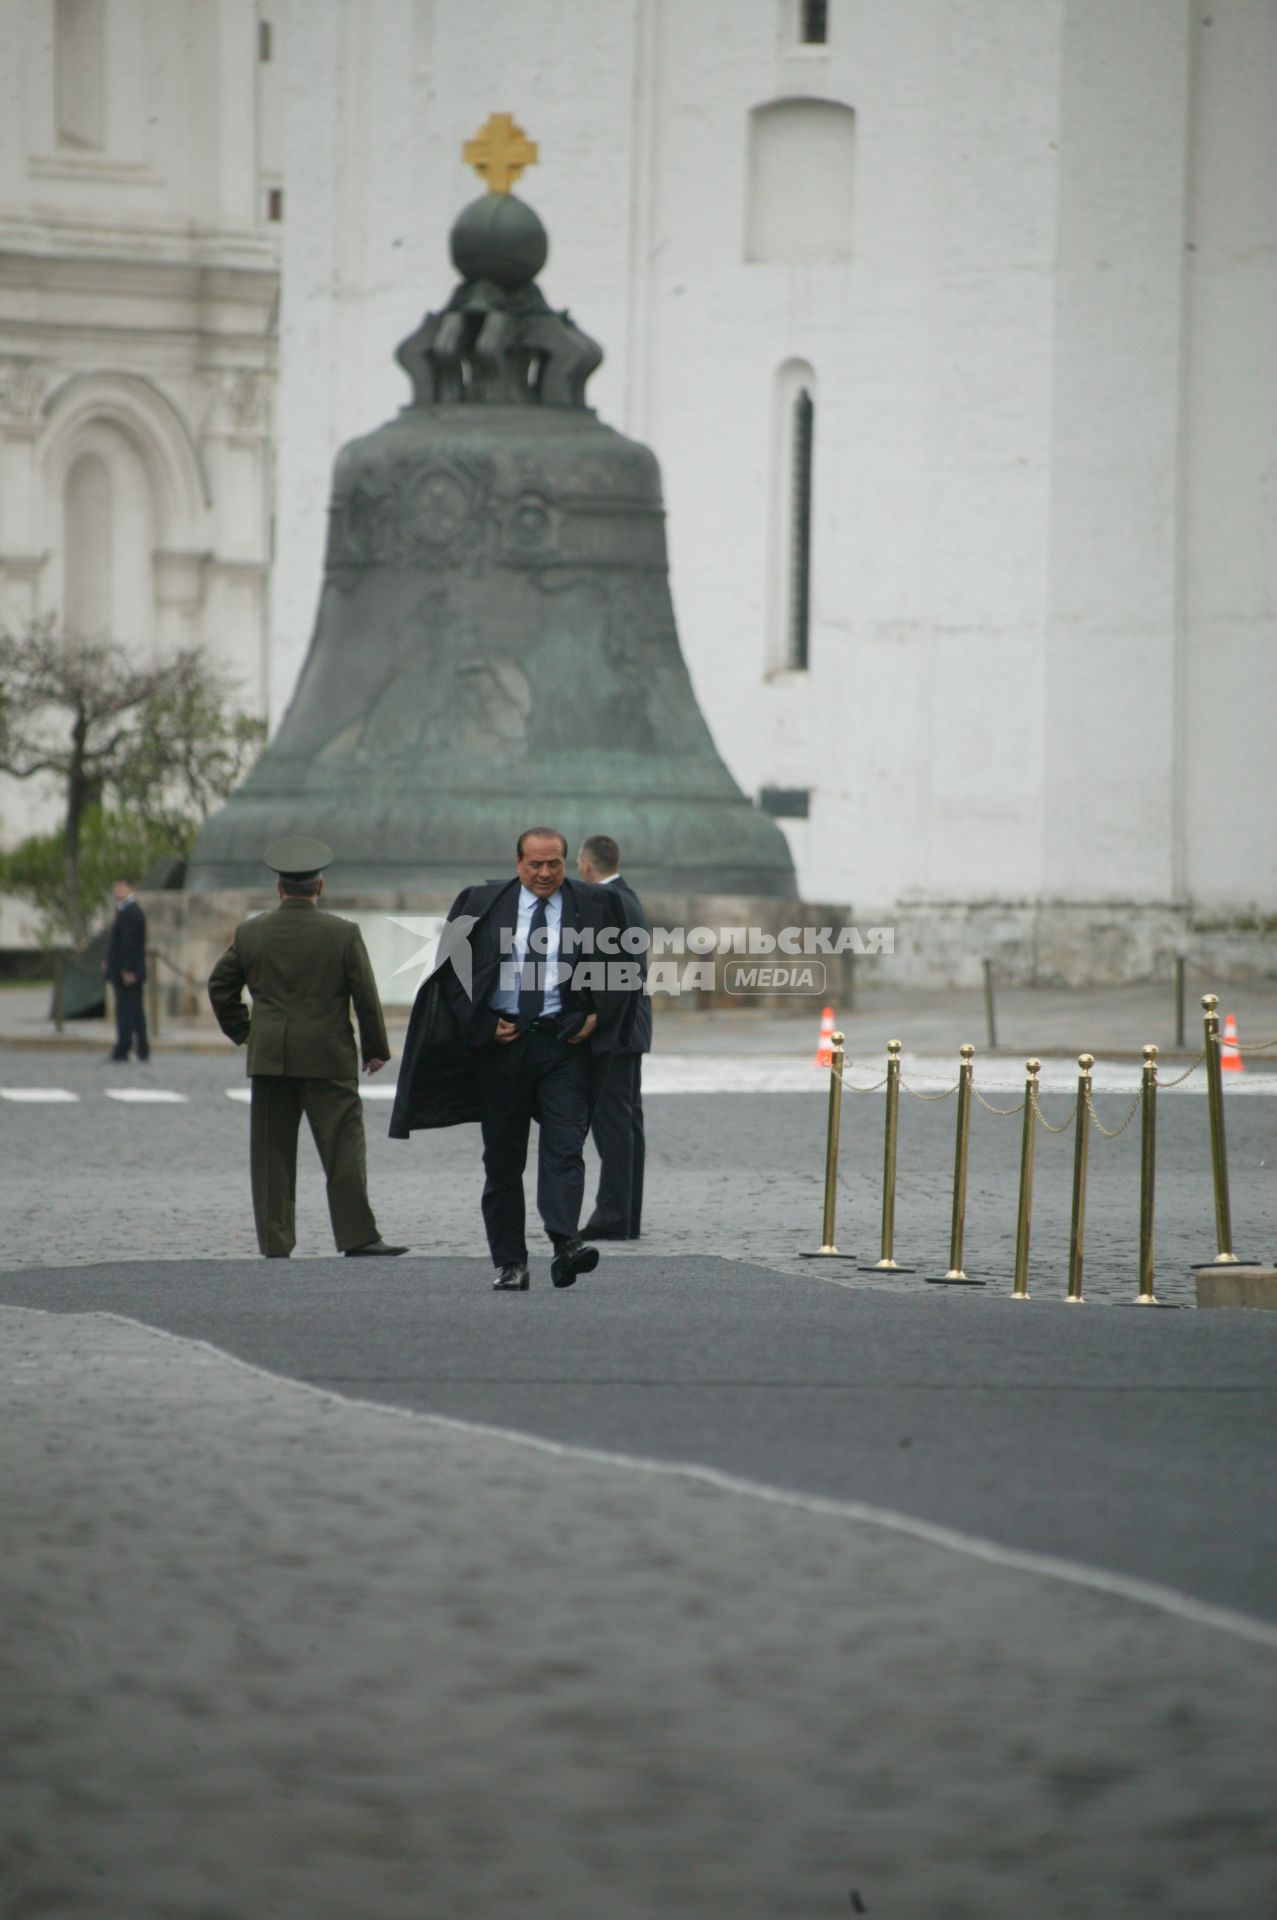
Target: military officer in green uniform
304, 969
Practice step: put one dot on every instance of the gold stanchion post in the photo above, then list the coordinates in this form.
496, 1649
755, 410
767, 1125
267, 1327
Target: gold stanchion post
1024, 1210
1081, 1140
827, 1249
956, 1277
1224, 1257
1148, 1164
887, 1262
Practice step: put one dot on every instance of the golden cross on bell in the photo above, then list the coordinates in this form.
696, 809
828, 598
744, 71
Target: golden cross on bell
499, 152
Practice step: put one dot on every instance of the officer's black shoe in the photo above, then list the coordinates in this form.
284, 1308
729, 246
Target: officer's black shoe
595, 1230
572, 1257
373, 1246
512, 1278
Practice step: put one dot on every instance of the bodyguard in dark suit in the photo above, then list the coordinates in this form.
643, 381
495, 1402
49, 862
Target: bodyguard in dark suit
616, 1072
304, 969
505, 1036
125, 968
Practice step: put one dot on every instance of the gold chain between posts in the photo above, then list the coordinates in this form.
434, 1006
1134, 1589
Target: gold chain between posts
1251, 1046
849, 1086
915, 1095
1003, 1113
1044, 1122
1111, 1133
1163, 1086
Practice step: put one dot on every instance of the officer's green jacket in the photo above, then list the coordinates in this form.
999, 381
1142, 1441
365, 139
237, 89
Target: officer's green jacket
304, 969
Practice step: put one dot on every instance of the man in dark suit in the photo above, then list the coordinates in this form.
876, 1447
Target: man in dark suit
515, 1010
125, 968
304, 969
616, 1072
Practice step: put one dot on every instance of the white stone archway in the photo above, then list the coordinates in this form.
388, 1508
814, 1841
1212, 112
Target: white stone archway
159, 505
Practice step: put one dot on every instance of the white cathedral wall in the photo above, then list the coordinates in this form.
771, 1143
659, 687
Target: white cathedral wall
1033, 545
929, 527
1230, 498
136, 294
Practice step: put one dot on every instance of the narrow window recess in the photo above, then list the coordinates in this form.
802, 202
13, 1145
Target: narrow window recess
799, 623
813, 26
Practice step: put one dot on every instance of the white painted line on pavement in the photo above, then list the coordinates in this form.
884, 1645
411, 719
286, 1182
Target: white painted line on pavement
690, 1073
245, 1094
1119, 1586
155, 1096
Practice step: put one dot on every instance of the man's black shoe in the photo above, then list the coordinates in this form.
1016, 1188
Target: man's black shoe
512, 1278
373, 1246
593, 1231
572, 1257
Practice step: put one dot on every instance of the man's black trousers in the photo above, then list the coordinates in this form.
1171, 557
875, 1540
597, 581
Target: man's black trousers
617, 1130
130, 1021
536, 1077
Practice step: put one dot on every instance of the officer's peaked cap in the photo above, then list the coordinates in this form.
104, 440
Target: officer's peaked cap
298, 858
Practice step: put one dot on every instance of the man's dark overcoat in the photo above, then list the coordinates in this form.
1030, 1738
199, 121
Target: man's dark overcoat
126, 944
439, 1075
628, 1029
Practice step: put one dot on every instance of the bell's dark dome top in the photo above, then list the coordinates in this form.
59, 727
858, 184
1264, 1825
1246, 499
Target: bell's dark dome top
498, 238
498, 342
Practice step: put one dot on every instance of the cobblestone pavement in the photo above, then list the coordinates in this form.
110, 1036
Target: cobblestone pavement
737, 1174
274, 1656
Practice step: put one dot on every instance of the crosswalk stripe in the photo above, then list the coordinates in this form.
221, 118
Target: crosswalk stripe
156, 1096
49, 1094
369, 1093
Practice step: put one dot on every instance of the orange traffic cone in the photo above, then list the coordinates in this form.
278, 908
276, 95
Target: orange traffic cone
1230, 1059
825, 1045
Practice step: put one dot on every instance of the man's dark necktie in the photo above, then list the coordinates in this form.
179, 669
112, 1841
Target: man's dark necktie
532, 998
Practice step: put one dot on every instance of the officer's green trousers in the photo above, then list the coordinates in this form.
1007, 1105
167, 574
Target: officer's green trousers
336, 1117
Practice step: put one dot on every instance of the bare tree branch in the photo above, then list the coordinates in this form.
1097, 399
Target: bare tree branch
164, 742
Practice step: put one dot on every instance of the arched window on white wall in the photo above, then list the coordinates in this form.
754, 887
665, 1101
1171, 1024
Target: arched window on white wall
88, 595
159, 501
801, 176
79, 72
793, 451
103, 521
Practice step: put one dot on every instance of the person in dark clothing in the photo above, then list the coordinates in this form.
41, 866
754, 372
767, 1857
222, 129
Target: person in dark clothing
501, 1033
616, 1072
125, 968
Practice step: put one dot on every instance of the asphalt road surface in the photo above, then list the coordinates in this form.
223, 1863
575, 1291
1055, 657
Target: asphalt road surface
1130, 1440
1134, 1442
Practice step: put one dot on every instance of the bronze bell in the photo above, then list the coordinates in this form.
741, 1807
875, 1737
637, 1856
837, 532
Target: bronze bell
495, 646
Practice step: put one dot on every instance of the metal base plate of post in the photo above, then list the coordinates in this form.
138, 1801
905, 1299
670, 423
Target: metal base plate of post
1223, 1266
